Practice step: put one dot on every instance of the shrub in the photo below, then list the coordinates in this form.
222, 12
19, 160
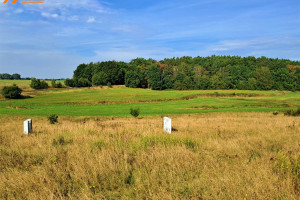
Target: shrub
109, 85
55, 85
292, 112
38, 84
289, 166
59, 85
99, 144
275, 113
135, 112
69, 82
82, 82
53, 119
61, 141
11, 92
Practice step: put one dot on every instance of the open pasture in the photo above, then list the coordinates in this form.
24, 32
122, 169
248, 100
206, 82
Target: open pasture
117, 101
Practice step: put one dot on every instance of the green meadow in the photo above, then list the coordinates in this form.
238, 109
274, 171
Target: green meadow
118, 100
23, 84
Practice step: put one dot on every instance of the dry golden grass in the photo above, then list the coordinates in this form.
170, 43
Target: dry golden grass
211, 156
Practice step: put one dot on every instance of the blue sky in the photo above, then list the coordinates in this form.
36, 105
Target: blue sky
50, 40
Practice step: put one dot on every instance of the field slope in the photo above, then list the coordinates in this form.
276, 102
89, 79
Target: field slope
117, 102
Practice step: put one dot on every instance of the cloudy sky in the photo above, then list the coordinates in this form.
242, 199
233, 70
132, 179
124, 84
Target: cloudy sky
49, 40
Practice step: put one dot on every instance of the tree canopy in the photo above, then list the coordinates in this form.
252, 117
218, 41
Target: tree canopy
10, 77
212, 72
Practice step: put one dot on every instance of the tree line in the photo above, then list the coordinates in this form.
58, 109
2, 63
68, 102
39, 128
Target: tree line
7, 76
213, 72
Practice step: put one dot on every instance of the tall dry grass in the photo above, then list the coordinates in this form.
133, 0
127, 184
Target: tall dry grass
211, 156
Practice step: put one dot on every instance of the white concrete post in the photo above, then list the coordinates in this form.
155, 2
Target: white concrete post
168, 125
27, 126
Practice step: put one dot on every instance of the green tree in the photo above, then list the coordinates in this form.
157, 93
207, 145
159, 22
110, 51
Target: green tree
264, 78
251, 84
242, 85
38, 84
80, 71
155, 78
179, 82
203, 83
83, 82
284, 80
6, 76
16, 76
70, 82
168, 82
132, 79
217, 82
100, 79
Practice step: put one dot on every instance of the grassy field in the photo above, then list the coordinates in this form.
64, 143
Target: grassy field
227, 144
210, 156
117, 101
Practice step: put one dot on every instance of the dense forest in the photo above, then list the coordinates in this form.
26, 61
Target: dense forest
213, 72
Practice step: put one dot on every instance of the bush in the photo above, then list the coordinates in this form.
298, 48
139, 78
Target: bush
109, 85
61, 141
53, 119
38, 84
82, 82
69, 82
292, 112
275, 113
59, 85
11, 92
135, 112
55, 85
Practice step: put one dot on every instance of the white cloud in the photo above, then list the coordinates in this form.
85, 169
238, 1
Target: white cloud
18, 11
49, 15
73, 18
220, 49
254, 43
67, 9
72, 32
281, 47
64, 5
125, 28
91, 20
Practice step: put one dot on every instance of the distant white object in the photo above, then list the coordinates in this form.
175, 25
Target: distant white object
168, 125
27, 126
